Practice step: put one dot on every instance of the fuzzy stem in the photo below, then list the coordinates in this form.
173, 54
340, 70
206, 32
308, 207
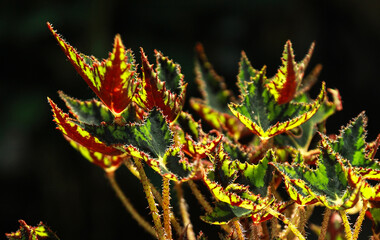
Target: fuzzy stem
150, 198
360, 219
274, 228
286, 221
198, 195
128, 206
166, 206
346, 223
177, 227
325, 224
185, 213
302, 220
239, 232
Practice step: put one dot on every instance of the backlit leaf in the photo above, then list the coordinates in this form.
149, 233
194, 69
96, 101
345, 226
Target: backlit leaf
331, 183
26, 232
151, 141
167, 94
285, 83
76, 133
223, 213
260, 112
113, 79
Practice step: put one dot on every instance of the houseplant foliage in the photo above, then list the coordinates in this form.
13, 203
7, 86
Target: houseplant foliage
266, 162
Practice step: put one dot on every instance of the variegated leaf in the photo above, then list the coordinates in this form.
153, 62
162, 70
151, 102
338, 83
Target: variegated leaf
26, 232
76, 133
331, 183
223, 213
260, 112
155, 92
212, 86
285, 83
151, 141
113, 79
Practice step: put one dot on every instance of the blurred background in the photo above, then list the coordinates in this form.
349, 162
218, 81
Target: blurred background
43, 179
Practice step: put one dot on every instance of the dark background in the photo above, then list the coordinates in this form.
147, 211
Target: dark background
43, 179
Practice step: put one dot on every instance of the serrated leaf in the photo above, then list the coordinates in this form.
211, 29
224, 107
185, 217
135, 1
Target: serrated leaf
223, 122
151, 141
94, 112
240, 184
300, 138
107, 162
76, 133
26, 232
154, 92
246, 73
223, 213
285, 83
260, 112
212, 86
113, 79
331, 183
352, 146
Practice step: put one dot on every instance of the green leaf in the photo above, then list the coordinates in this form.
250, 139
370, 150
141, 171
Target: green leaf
260, 112
213, 88
352, 146
246, 73
151, 141
154, 92
300, 137
113, 79
95, 113
223, 213
331, 183
26, 232
240, 184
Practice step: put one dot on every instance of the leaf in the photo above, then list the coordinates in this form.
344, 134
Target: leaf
151, 141
107, 162
260, 112
331, 183
212, 87
26, 232
95, 112
223, 213
285, 83
351, 145
76, 133
240, 184
300, 137
154, 91
223, 122
113, 79
246, 73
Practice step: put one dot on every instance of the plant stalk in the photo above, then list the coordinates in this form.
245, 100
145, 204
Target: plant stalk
166, 206
286, 221
128, 206
360, 219
325, 224
238, 229
185, 214
150, 198
346, 223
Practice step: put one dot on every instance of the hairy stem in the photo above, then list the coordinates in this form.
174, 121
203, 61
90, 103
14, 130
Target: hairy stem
150, 198
239, 231
166, 206
128, 206
325, 224
198, 195
286, 221
275, 228
346, 223
185, 214
360, 219
177, 227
